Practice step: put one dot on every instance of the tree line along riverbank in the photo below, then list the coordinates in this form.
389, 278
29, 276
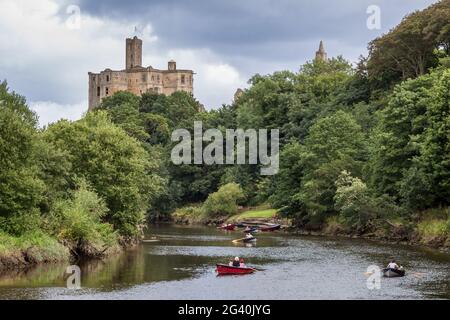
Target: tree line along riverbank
431, 231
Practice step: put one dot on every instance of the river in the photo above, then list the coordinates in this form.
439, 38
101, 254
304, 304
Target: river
179, 261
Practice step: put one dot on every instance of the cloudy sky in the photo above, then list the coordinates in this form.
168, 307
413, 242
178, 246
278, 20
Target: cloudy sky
47, 49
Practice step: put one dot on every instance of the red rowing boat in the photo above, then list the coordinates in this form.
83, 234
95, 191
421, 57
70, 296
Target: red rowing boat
271, 228
229, 227
223, 269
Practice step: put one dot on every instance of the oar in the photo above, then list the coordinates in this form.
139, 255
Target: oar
368, 274
259, 269
418, 274
243, 239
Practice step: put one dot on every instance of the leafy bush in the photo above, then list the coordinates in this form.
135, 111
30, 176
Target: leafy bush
358, 208
352, 200
429, 229
78, 222
21, 223
434, 224
335, 225
224, 201
189, 213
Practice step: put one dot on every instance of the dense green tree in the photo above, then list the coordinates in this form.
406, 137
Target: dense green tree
178, 108
335, 143
286, 184
224, 201
157, 129
409, 153
116, 166
21, 189
55, 170
411, 48
426, 183
123, 108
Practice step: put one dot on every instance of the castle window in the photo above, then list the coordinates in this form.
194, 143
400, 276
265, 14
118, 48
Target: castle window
183, 79
159, 79
98, 91
153, 78
107, 78
107, 90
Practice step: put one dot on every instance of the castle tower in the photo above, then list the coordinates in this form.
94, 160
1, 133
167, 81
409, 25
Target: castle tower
321, 55
172, 66
134, 53
239, 92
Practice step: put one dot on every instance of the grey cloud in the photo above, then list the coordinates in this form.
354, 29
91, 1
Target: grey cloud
226, 25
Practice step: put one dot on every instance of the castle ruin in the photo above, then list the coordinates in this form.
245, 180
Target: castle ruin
138, 79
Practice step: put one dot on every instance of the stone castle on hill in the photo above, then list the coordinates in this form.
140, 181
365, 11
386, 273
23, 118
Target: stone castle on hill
138, 79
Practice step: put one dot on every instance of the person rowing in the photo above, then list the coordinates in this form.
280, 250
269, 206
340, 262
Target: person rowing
249, 229
235, 263
393, 265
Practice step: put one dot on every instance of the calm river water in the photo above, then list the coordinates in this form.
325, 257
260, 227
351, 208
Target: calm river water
180, 262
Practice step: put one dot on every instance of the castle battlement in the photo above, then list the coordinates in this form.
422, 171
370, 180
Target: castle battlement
138, 79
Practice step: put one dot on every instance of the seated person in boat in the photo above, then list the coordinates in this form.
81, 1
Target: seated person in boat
242, 263
393, 265
235, 262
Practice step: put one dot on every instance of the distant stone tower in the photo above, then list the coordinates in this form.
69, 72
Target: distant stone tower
239, 92
134, 53
321, 55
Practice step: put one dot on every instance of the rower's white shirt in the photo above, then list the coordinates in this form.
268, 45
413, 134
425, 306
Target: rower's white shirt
392, 265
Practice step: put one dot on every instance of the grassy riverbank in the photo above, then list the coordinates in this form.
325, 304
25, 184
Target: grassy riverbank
193, 214
257, 214
30, 249
429, 228
17, 252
